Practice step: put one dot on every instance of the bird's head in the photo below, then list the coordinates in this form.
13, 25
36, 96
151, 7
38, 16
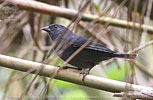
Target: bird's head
54, 30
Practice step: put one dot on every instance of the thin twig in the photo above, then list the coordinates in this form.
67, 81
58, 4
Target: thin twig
141, 47
133, 95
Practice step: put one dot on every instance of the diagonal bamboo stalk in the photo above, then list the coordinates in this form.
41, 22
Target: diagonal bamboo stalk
69, 14
70, 76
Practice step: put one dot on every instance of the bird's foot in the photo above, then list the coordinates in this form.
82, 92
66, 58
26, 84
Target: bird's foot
84, 75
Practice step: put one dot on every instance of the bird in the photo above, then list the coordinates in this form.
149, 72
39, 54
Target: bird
88, 57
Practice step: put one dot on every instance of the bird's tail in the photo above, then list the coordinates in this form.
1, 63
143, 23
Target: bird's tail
124, 55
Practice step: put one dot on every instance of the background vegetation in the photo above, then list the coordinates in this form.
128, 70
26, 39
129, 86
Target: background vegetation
21, 36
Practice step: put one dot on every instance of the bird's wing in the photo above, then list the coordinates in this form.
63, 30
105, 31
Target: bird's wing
92, 45
99, 47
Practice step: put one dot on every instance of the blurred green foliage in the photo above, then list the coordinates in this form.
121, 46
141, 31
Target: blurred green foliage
75, 94
116, 73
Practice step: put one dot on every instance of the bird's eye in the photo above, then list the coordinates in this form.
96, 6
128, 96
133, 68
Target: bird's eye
55, 26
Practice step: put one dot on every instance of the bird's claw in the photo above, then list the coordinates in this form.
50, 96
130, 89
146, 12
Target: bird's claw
84, 75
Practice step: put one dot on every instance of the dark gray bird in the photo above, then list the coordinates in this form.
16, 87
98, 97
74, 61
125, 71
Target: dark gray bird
90, 56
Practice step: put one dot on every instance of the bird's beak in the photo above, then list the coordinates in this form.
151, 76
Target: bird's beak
46, 28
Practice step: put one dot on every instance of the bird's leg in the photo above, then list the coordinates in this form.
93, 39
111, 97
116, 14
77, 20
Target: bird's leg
68, 67
85, 73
